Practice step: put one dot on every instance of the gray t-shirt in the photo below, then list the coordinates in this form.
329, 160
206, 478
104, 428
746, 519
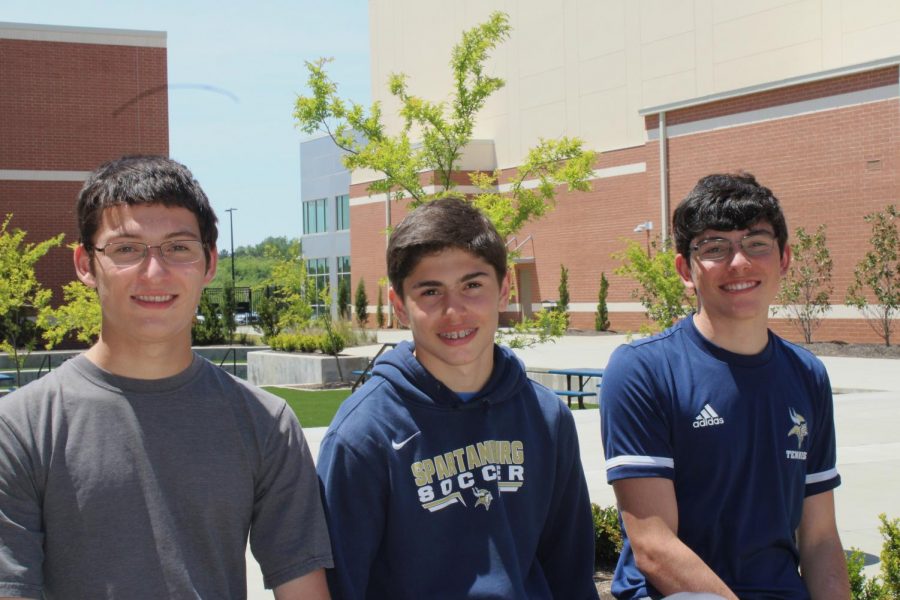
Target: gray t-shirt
113, 487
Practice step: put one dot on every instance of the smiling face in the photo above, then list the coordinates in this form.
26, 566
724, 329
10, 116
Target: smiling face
451, 302
150, 306
736, 291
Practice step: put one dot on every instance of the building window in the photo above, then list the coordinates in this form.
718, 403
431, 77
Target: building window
317, 271
342, 210
314, 216
343, 271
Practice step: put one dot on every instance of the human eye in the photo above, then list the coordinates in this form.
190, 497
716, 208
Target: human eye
124, 249
713, 249
758, 243
178, 247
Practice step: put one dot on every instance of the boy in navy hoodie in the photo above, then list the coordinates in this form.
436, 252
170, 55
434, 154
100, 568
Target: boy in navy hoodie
450, 474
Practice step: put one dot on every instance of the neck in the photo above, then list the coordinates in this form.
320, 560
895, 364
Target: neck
464, 378
150, 362
745, 337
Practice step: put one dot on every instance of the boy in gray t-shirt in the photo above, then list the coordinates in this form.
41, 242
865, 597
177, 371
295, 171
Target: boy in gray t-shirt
138, 469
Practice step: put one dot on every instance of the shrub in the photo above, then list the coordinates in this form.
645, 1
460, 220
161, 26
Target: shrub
379, 310
309, 342
362, 303
208, 328
563, 304
607, 536
601, 317
343, 299
888, 588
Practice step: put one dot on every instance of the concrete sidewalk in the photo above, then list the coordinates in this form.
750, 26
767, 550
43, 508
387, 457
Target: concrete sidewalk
867, 419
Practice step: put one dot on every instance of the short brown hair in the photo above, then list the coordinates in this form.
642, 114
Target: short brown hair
449, 222
137, 180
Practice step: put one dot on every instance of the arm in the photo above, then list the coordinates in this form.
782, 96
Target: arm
311, 586
353, 491
566, 546
650, 514
822, 561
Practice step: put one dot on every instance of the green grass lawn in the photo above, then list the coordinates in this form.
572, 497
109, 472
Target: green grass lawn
316, 408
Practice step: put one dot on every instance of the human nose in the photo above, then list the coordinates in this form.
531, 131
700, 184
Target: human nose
738, 257
154, 262
454, 303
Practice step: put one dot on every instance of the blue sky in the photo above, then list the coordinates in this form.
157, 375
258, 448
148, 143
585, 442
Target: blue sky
240, 142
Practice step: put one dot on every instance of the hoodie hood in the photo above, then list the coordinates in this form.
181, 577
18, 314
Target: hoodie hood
414, 383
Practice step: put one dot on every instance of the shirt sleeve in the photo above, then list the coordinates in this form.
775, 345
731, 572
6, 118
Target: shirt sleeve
288, 534
821, 464
354, 492
21, 525
566, 547
637, 440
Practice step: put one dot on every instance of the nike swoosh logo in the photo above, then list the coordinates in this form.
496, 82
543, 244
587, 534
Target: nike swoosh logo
399, 445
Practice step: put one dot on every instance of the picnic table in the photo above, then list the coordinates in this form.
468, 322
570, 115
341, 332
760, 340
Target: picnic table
584, 376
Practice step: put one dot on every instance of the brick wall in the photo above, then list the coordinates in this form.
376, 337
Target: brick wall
831, 166
69, 107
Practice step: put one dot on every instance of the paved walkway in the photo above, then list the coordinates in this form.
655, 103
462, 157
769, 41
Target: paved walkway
867, 418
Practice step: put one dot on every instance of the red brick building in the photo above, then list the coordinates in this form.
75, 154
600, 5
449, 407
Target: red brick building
70, 99
827, 144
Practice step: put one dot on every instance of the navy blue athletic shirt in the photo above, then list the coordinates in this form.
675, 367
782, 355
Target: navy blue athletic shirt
743, 438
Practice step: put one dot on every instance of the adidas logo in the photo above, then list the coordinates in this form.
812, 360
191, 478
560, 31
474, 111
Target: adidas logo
708, 417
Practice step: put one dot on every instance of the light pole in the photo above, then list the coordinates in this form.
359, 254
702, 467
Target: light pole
646, 226
230, 212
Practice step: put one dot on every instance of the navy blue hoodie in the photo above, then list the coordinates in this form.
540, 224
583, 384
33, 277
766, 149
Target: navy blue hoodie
431, 497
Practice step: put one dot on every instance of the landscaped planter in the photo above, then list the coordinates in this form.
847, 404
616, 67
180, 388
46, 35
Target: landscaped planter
291, 368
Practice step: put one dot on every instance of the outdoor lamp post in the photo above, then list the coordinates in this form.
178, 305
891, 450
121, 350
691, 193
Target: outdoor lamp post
646, 226
230, 212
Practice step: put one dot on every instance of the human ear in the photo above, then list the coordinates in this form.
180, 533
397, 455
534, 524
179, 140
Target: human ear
211, 265
786, 257
84, 267
683, 266
504, 292
399, 306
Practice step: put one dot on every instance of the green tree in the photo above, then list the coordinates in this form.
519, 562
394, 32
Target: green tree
291, 287
806, 287
79, 314
22, 297
362, 303
209, 327
563, 304
343, 298
379, 309
229, 308
601, 317
443, 129
879, 273
660, 291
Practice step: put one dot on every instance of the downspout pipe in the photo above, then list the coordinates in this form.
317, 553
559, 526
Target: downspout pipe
663, 180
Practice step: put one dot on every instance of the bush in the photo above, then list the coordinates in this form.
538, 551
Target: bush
309, 342
379, 310
601, 317
888, 588
362, 303
607, 536
209, 328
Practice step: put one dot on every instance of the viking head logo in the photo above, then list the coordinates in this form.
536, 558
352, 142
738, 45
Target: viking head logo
799, 429
484, 498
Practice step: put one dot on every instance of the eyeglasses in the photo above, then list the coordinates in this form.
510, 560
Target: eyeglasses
759, 243
173, 252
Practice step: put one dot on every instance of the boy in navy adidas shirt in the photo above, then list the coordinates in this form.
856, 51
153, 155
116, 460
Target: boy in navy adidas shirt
450, 474
719, 435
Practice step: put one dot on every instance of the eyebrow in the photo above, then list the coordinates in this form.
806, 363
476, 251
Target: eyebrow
749, 232
183, 234
435, 283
